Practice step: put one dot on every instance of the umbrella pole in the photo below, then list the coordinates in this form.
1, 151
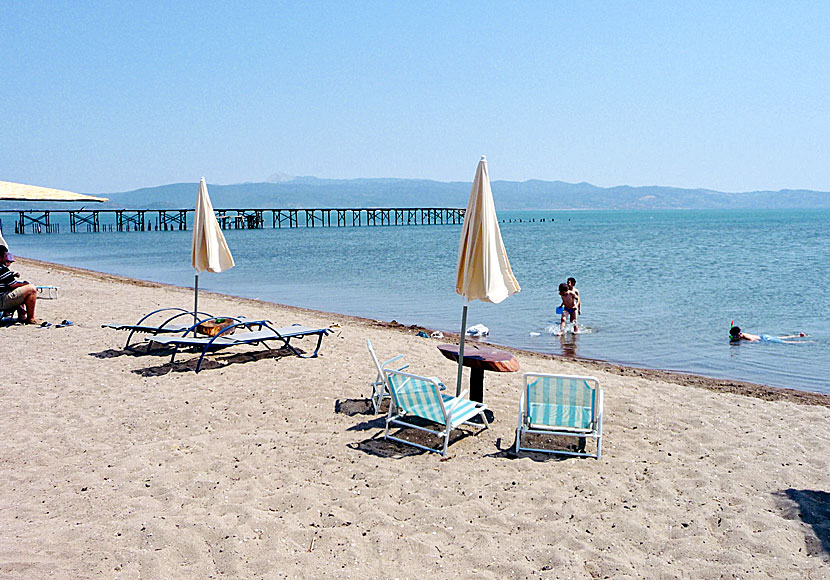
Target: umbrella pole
461, 350
196, 299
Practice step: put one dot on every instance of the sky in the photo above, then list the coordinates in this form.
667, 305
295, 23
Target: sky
101, 97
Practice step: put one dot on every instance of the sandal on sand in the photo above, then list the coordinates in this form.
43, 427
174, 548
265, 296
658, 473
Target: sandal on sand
64, 323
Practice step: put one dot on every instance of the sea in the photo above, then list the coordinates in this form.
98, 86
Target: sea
659, 288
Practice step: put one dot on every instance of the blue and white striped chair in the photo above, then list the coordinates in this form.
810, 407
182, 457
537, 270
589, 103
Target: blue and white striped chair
415, 396
563, 405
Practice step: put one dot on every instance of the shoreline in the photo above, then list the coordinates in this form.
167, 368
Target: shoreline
620, 330
719, 385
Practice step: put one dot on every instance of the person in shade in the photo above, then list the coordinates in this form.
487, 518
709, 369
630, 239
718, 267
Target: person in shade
14, 294
735, 335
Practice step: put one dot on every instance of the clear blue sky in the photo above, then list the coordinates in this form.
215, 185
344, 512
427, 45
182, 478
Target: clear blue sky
104, 97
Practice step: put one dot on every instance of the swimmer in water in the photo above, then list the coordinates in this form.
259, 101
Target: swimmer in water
735, 335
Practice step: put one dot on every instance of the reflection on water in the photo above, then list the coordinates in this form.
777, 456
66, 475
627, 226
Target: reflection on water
568, 341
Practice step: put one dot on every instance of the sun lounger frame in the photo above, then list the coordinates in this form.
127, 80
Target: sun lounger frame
226, 338
47, 292
163, 328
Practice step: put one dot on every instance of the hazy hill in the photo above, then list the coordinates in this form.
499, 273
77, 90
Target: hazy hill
308, 192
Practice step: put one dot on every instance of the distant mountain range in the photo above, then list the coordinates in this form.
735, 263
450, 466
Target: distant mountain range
312, 192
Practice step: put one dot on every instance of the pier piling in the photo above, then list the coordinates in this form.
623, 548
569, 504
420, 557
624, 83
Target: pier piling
139, 220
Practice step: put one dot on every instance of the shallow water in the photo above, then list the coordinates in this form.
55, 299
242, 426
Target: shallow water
658, 288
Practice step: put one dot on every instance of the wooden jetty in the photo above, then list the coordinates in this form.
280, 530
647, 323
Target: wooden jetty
125, 220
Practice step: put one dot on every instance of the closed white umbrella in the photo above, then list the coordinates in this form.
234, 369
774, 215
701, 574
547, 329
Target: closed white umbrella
483, 271
210, 250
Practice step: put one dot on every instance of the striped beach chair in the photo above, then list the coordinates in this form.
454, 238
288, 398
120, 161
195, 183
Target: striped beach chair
414, 396
562, 405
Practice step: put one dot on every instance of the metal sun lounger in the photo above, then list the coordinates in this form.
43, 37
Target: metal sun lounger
226, 339
183, 321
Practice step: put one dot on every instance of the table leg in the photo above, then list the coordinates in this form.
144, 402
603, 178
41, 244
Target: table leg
477, 385
477, 393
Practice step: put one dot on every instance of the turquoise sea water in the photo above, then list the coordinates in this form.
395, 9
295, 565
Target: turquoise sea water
659, 288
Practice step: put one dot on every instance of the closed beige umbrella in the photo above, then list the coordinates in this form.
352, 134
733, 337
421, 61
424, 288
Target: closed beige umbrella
210, 250
20, 192
483, 271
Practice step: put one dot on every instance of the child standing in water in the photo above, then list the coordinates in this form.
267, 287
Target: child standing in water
572, 287
570, 306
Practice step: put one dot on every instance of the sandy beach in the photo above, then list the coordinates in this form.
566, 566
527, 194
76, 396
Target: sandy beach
265, 465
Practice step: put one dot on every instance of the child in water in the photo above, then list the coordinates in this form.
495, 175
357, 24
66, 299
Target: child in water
735, 335
570, 306
572, 287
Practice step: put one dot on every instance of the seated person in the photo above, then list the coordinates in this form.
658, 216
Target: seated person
16, 295
736, 335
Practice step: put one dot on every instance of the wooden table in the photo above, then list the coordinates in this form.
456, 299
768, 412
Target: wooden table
480, 359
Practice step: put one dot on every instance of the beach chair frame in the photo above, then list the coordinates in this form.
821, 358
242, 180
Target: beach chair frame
418, 396
165, 327
562, 411
8, 317
47, 292
380, 389
226, 338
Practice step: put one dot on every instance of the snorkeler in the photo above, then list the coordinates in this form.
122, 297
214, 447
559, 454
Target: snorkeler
735, 335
